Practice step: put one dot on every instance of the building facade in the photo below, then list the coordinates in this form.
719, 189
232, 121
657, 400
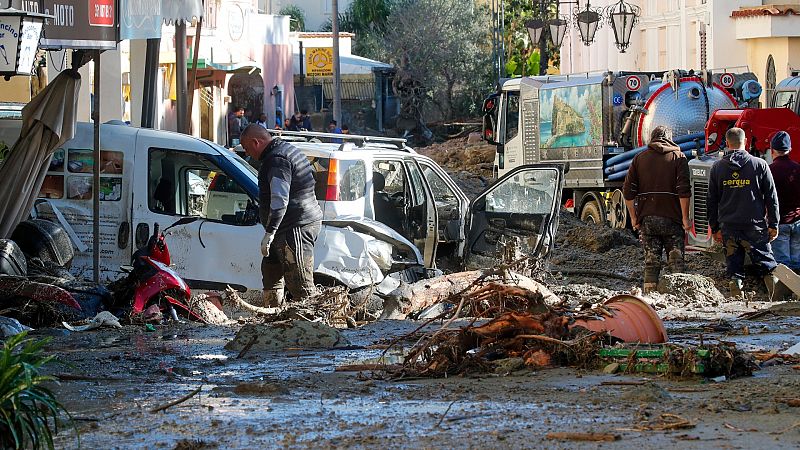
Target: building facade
317, 12
694, 34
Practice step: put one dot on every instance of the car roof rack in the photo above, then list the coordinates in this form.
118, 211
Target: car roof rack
357, 139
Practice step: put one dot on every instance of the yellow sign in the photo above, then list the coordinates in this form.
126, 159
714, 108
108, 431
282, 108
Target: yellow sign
319, 61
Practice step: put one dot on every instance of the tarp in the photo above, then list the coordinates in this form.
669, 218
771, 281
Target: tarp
142, 19
48, 121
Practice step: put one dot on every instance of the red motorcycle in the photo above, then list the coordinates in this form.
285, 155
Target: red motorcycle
150, 281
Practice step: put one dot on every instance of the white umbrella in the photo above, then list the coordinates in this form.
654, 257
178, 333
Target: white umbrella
48, 121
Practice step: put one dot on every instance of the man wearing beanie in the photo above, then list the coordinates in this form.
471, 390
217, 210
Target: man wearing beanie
786, 173
657, 194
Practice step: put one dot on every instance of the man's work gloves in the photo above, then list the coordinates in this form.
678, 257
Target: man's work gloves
266, 243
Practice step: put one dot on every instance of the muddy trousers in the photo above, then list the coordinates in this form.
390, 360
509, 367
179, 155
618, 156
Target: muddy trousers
754, 242
661, 235
290, 264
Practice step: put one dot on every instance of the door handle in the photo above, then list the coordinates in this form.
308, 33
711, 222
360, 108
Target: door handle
497, 223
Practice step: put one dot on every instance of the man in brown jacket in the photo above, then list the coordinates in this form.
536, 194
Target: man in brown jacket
657, 194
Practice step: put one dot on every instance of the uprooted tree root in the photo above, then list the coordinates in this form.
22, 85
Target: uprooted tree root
523, 326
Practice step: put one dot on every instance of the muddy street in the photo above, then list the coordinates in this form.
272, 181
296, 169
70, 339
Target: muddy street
112, 379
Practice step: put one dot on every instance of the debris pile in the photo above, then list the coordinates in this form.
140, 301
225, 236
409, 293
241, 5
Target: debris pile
523, 327
469, 161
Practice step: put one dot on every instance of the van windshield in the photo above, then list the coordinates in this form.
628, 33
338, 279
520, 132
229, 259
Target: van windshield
352, 178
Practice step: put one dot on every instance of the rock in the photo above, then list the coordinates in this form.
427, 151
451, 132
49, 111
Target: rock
508, 365
647, 393
261, 388
474, 138
697, 289
10, 327
611, 368
281, 336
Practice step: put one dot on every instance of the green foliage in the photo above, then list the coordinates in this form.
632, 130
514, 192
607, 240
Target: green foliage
297, 15
29, 411
441, 49
367, 19
517, 42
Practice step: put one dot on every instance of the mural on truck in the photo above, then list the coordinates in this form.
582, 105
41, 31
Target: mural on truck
571, 116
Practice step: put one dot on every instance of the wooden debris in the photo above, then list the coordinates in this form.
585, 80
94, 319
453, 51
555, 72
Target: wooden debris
77, 377
791, 402
587, 437
666, 422
622, 383
368, 367
247, 347
176, 402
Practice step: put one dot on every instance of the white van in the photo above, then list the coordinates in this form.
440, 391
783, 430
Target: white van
151, 176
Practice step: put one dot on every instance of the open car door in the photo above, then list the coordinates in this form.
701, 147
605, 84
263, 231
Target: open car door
523, 205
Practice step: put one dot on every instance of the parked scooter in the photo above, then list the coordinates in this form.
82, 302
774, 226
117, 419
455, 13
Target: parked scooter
150, 281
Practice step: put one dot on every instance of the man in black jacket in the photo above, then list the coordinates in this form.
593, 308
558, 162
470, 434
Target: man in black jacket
290, 214
743, 211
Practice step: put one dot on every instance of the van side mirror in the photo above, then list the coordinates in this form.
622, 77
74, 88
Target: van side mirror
490, 128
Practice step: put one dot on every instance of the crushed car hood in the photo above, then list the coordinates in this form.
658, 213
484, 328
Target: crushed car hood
377, 230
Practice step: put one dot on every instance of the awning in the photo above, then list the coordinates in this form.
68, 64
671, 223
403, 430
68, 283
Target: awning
142, 19
246, 66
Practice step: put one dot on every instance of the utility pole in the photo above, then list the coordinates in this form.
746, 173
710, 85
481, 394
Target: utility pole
337, 76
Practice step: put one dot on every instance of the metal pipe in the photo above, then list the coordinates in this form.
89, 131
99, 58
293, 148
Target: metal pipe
337, 77
191, 86
96, 171
180, 76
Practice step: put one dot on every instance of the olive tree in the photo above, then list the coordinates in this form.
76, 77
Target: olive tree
442, 52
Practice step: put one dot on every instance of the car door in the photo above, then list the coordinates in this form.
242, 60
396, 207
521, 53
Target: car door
422, 219
522, 206
220, 248
451, 207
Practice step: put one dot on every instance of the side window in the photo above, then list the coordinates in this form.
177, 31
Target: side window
528, 192
785, 100
512, 115
351, 178
441, 191
391, 175
190, 184
418, 192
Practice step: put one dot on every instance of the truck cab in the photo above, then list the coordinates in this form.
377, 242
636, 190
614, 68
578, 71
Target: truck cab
787, 94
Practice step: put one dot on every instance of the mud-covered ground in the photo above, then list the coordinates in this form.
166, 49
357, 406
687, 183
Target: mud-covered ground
296, 399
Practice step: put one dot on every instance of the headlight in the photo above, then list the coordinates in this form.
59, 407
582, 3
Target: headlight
381, 253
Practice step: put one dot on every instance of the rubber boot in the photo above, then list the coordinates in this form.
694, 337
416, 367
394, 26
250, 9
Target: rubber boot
771, 281
735, 286
650, 287
273, 298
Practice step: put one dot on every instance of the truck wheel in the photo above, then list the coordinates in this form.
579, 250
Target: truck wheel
618, 215
591, 213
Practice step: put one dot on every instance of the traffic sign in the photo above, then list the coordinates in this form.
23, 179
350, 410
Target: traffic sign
633, 83
727, 80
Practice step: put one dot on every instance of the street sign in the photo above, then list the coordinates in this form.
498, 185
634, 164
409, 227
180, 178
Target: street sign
80, 24
319, 61
727, 80
633, 83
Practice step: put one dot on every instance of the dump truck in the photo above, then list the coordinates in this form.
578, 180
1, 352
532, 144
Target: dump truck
595, 123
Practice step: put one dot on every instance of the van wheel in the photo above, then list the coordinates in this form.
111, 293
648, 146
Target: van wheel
590, 213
